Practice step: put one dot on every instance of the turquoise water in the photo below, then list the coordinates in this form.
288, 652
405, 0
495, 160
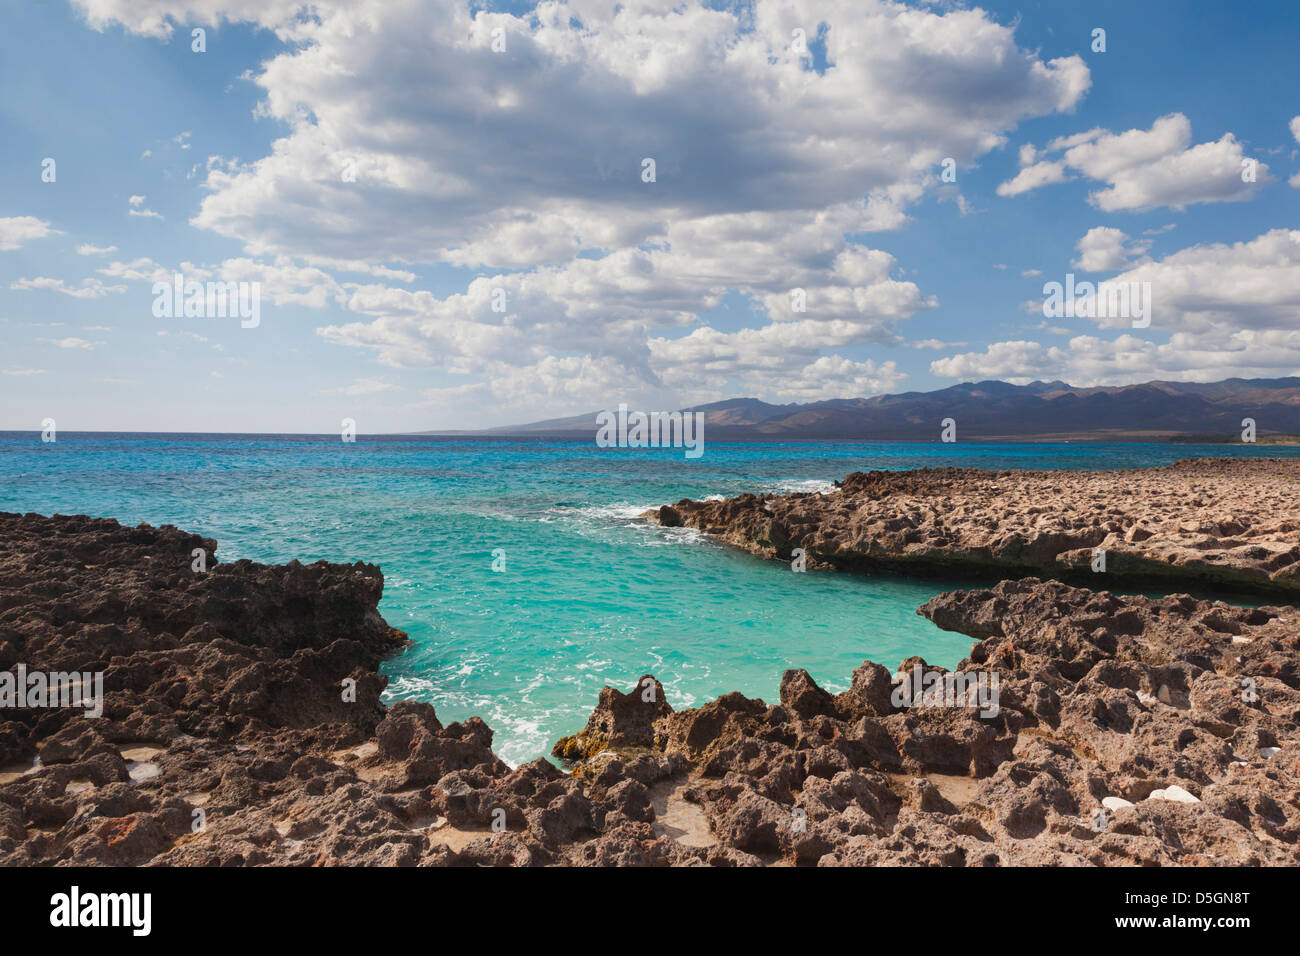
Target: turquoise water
588, 596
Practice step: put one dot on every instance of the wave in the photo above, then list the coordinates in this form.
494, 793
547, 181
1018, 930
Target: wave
820, 486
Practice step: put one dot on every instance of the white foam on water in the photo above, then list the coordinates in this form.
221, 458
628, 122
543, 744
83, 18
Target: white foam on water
677, 536
820, 486
615, 512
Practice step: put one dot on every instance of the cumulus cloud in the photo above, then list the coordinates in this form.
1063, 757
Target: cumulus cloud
17, 230
1031, 177
593, 90
159, 18
1145, 168
1105, 249
1090, 360
409, 141
1229, 309
1225, 287
778, 359
282, 281
86, 249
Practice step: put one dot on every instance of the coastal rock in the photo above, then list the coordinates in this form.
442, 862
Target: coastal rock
620, 721
1230, 521
218, 683
1129, 706
242, 726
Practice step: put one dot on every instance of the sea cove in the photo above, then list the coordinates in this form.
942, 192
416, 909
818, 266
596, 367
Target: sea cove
591, 594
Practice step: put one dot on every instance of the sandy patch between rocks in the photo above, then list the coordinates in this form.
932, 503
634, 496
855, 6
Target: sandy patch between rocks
678, 819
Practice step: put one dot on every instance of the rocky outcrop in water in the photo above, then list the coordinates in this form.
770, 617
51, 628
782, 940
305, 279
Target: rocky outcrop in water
242, 725
1232, 523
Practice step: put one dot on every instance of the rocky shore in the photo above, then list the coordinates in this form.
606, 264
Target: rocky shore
1231, 523
242, 725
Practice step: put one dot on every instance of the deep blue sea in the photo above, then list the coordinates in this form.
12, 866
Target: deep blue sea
588, 594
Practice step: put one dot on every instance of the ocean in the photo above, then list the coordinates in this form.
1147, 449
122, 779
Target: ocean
586, 594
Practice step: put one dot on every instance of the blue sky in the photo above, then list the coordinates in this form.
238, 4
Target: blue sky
519, 172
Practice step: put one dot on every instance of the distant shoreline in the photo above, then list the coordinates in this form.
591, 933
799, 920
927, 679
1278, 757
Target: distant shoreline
715, 435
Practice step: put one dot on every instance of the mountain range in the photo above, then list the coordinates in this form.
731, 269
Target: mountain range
993, 410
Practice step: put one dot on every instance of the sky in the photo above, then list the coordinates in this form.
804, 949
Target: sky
447, 215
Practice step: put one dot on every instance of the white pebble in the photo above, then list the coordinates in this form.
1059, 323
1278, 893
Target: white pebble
1115, 803
1268, 753
1174, 793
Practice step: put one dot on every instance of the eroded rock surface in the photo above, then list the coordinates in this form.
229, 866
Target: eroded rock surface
1128, 730
1200, 522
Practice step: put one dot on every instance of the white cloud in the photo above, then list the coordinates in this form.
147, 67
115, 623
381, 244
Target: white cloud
1088, 360
1229, 309
139, 270
772, 134
138, 208
22, 372
1225, 287
1031, 177
16, 230
86, 249
1146, 168
71, 343
364, 386
1295, 134
159, 18
408, 142
1105, 249
90, 288
281, 281
832, 376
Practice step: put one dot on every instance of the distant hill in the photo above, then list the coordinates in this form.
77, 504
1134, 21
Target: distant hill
1042, 411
